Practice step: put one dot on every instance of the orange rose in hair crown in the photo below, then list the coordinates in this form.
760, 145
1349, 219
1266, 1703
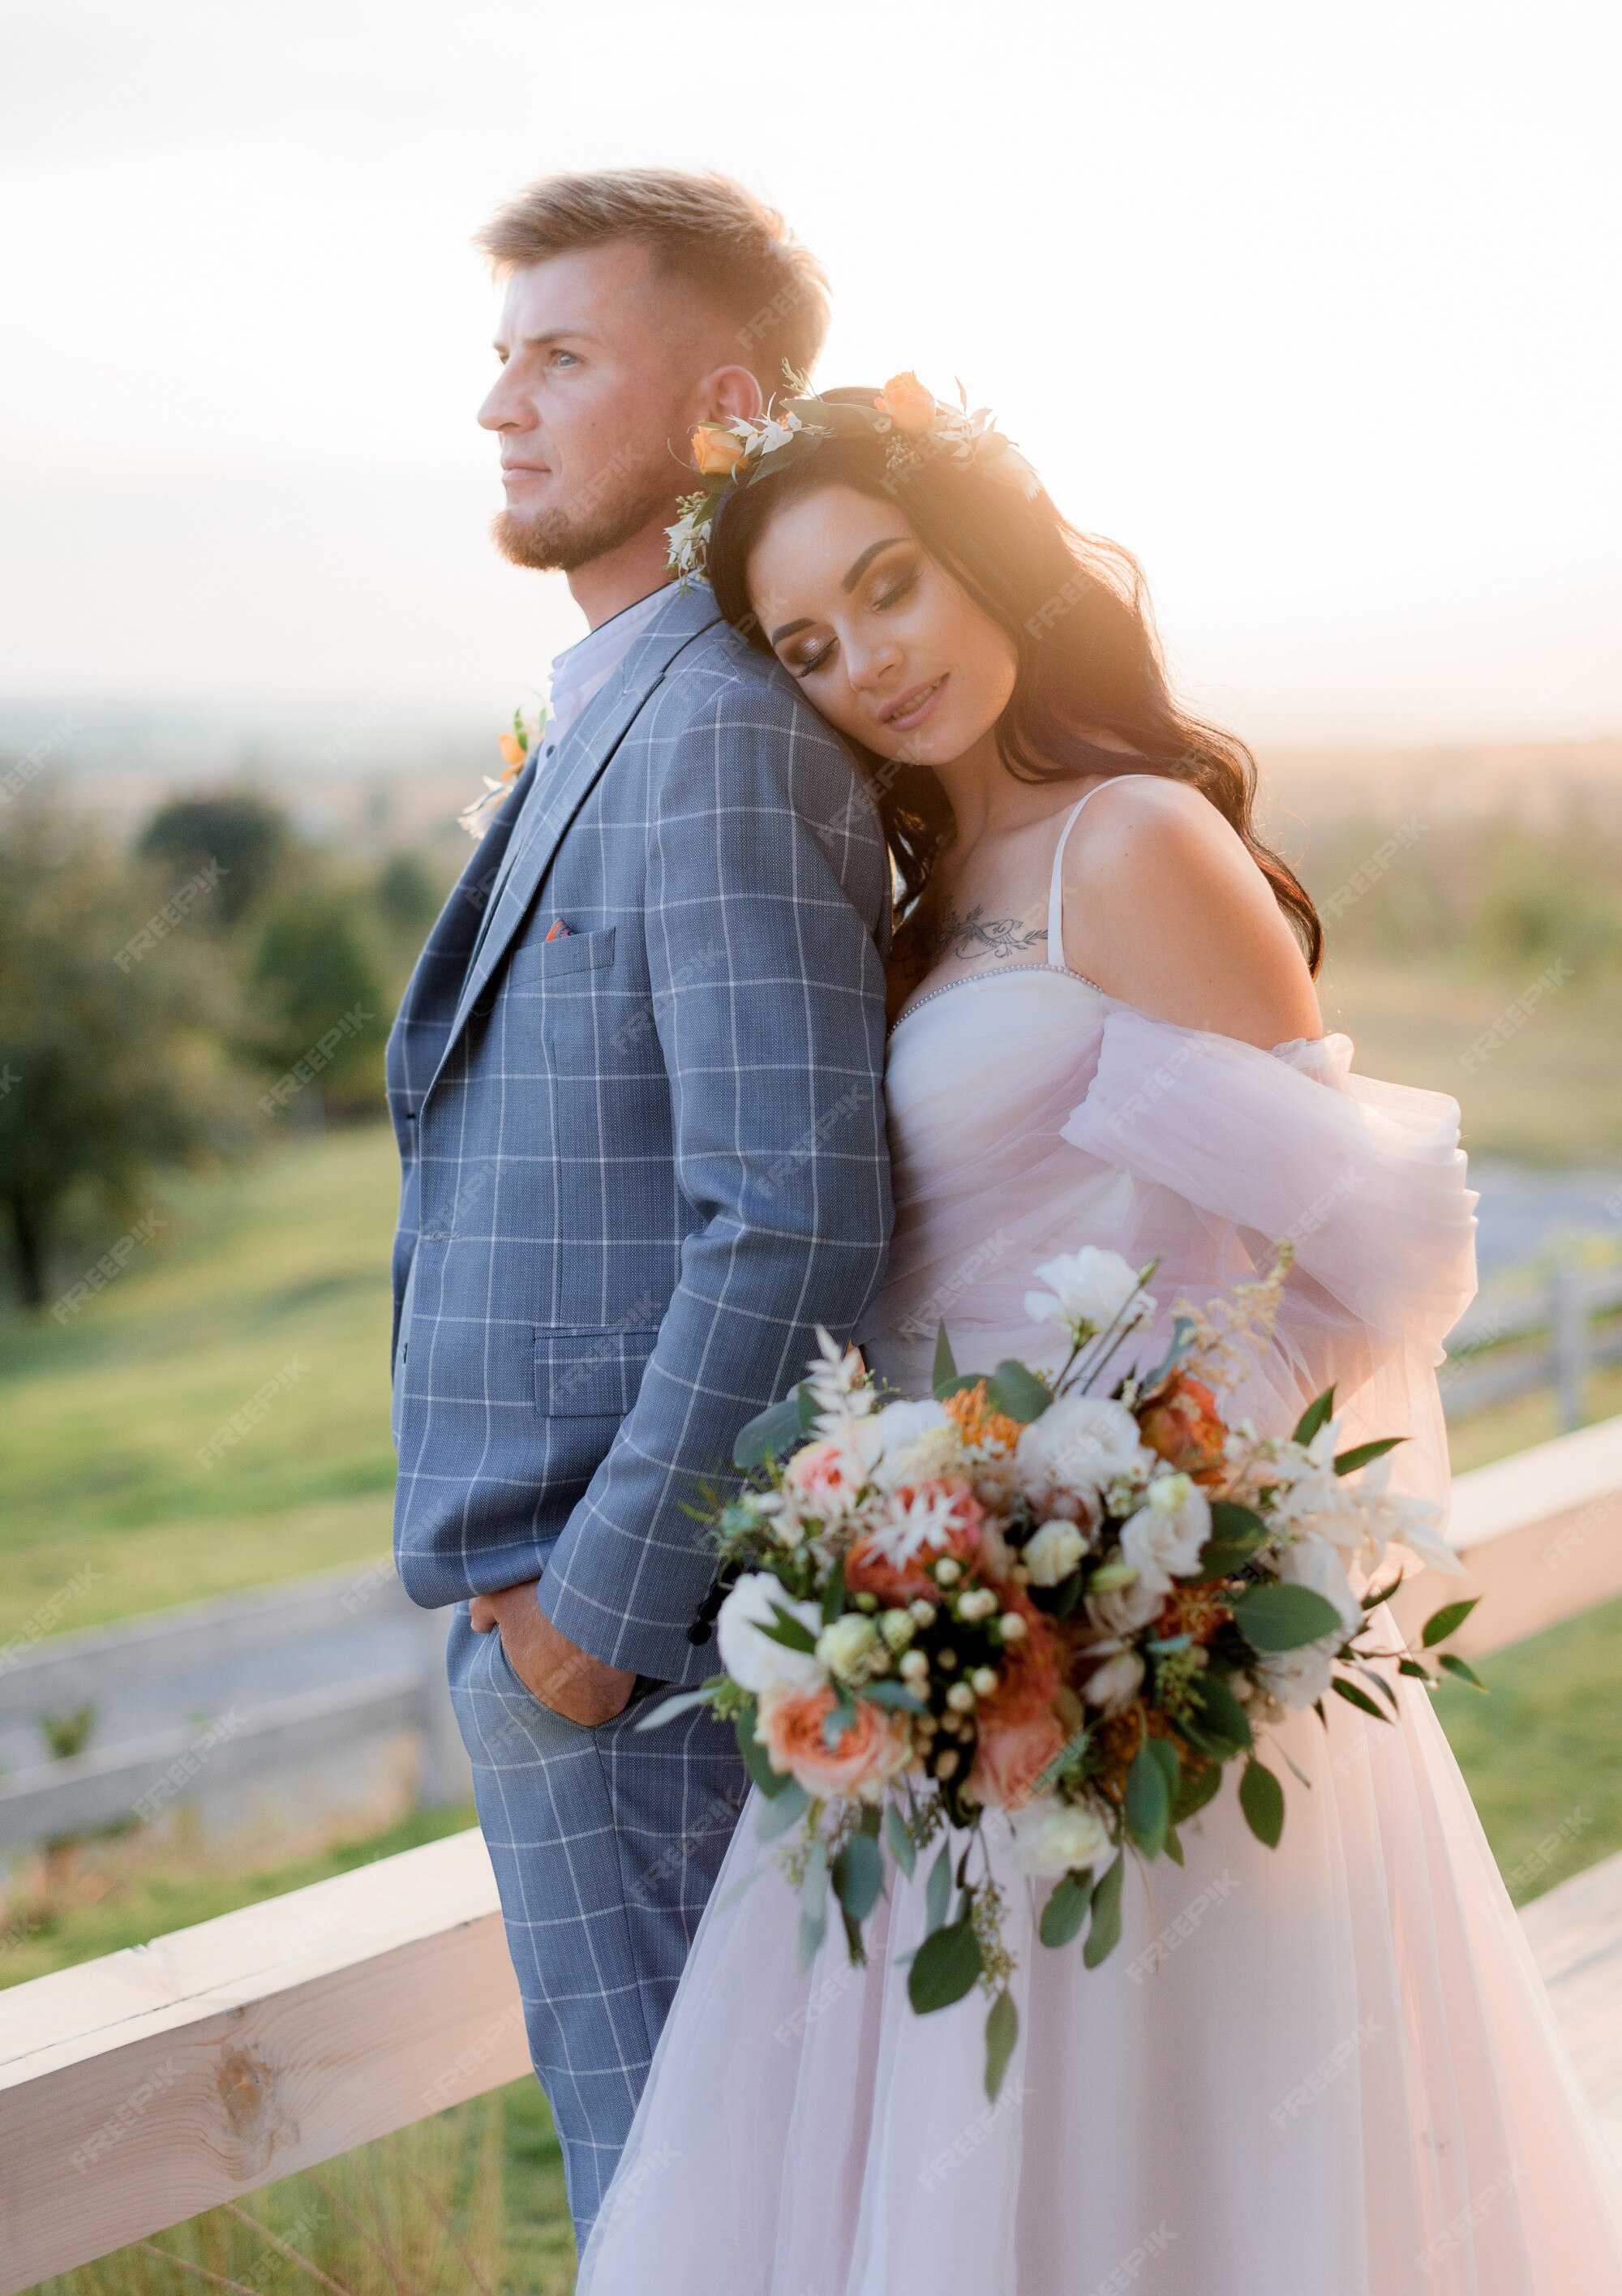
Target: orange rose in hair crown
714, 451
909, 405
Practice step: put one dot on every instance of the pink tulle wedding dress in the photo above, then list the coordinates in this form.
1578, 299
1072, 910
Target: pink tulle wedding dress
1328, 2069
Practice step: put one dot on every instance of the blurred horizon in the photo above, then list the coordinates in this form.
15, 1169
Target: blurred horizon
1306, 312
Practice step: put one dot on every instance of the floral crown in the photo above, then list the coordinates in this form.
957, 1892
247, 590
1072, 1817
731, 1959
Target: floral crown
913, 424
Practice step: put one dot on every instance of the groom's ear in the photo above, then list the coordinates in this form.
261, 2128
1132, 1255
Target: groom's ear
730, 394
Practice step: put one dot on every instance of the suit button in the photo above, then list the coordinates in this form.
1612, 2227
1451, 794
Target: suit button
699, 1634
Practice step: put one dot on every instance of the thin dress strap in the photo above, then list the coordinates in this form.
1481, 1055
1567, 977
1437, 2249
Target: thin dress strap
1055, 892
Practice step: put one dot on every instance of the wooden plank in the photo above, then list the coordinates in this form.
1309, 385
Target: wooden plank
138, 2090
144, 1776
1541, 1534
52, 1672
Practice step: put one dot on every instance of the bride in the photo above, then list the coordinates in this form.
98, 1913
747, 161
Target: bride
1327, 2069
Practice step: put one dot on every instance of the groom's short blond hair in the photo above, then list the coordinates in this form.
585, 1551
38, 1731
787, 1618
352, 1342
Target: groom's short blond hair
770, 292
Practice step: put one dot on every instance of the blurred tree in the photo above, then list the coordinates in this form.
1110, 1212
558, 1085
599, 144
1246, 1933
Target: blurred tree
108, 1051
244, 837
407, 898
317, 1001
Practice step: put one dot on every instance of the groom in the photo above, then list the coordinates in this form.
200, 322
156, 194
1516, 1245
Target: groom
637, 1082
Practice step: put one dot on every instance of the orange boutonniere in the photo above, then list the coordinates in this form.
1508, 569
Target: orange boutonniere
515, 746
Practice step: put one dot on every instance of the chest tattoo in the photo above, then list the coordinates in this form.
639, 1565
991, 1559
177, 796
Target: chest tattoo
964, 934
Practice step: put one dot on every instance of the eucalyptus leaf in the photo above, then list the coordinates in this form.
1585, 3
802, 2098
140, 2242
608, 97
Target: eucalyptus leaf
807, 1408
833, 1593
1104, 1933
1413, 1666
1162, 1751
842, 1717
1355, 1696
900, 1842
1261, 1800
1463, 1669
1198, 1787
1441, 1623
779, 1813
681, 1703
946, 1362
1019, 1392
1277, 1616
1346, 1462
769, 1433
1221, 1710
895, 1695
858, 1876
937, 1890
756, 1760
1066, 1909
1002, 2031
1148, 1802
944, 1968
814, 1905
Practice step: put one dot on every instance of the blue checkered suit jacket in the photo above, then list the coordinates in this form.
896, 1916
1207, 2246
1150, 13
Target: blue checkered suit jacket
643, 1160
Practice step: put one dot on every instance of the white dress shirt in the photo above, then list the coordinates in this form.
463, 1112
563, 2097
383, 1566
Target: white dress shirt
581, 672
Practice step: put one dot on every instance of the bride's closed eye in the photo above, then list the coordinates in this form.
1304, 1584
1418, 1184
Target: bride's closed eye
890, 587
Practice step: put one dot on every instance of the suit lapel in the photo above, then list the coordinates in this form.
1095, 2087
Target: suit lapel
583, 752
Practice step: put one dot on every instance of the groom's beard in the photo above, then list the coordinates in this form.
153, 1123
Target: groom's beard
610, 510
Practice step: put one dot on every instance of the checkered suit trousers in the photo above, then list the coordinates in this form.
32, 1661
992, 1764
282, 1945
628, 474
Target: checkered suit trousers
641, 1161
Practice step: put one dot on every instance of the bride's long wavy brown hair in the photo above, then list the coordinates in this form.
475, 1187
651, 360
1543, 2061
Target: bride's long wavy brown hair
1077, 607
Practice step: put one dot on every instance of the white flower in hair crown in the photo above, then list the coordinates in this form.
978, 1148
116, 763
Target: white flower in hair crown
912, 423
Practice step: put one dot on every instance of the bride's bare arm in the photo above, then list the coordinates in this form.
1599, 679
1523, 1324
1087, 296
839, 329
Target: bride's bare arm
1164, 908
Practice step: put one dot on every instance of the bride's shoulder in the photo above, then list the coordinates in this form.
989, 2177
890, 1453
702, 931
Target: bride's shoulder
1139, 834
1166, 907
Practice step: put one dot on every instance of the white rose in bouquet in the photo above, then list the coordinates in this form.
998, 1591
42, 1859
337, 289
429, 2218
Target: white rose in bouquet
1122, 1610
1087, 1287
901, 1423
1116, 1682
850, 1647
1052, 1837
1078, 1447
755, 1660
1299, 1677
1168, 1530
918, 1442
1050, 1557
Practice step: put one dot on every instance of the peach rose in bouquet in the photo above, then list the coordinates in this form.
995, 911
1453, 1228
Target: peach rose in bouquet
869, 1751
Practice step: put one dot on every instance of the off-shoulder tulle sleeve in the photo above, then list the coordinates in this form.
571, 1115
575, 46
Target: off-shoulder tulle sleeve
1367, 1180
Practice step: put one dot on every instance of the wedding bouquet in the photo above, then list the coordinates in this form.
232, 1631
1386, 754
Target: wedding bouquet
1074, 1601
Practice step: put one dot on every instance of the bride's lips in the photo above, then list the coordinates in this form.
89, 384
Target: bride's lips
915, 705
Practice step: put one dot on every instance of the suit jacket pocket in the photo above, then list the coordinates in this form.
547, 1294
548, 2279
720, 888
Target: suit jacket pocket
590, 1371
537, 962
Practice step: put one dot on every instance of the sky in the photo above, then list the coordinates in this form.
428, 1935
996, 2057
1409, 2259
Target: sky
1314, 308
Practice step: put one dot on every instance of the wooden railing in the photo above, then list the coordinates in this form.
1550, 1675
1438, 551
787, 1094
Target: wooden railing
140, 2090
1519, 1337
246, 1741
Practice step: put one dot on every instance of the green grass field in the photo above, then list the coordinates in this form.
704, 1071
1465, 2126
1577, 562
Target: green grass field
277, 1270
1550, 1093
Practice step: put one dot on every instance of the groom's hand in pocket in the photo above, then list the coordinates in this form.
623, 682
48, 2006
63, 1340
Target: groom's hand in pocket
569, 1680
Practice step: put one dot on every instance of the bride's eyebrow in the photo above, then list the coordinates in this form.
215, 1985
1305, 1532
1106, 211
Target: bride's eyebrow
852, 576
861, 565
